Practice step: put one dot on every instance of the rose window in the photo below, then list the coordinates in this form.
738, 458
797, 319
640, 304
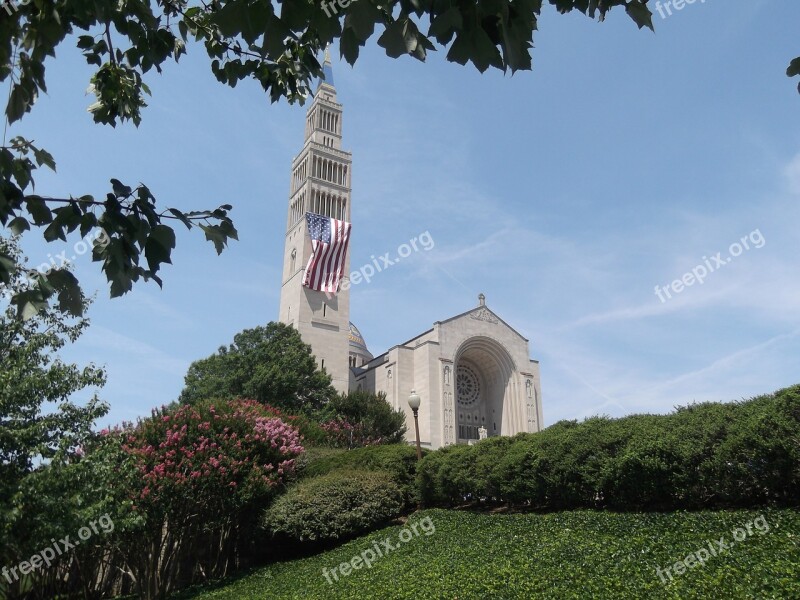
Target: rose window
468, 387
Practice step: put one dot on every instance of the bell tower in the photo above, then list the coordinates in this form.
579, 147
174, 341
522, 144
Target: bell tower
320, 183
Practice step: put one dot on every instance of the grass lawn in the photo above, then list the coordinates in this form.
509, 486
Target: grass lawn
577, 554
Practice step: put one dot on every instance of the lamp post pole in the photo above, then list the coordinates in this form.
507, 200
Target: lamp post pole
414, 402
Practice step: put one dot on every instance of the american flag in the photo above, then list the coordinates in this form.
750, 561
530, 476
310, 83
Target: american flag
329, 240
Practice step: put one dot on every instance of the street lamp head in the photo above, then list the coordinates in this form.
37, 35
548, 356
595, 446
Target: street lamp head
414, 400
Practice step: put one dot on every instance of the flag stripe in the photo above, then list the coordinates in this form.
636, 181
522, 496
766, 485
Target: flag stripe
329, 242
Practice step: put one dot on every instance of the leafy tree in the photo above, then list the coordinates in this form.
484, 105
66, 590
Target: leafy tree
243, 39
38, 423
33, 382
363, 419
270, 364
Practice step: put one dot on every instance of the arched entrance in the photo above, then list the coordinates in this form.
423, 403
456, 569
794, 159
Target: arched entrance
485, 389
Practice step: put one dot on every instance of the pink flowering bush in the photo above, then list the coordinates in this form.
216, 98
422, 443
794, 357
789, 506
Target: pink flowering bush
222, 453
196, 478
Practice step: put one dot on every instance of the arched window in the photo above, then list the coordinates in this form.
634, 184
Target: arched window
293, 262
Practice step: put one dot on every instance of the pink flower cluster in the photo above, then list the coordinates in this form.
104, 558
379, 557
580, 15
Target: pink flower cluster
193, 454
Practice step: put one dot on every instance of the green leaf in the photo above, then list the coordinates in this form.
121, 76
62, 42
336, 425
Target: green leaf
44, 158
19, 102
475, 45
85, 42
159, 246
38, 210
7, 267
393, 40
216, 235
29, 303
640, 14
19, 225
180, 216
54, 231
120, 190
446, 24
88, 222
349, 46
121, 284
70, 297
794, 68
275, 33
361, 18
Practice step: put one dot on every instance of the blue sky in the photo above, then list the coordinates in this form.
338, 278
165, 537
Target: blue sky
565, 194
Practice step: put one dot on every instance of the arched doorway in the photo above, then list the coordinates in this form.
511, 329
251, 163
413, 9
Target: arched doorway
485, 389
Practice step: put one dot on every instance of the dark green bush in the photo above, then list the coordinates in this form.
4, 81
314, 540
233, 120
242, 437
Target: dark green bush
398, 460
336, 506
706, 455
759, 462
447, 477
641, 473
486, 461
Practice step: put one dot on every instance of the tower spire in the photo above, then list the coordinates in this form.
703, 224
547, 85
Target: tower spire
327, 69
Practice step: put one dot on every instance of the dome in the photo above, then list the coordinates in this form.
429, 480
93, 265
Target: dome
357, 343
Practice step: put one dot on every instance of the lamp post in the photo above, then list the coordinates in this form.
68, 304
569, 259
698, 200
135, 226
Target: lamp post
414, 402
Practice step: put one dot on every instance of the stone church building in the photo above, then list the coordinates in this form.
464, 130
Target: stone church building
472, 371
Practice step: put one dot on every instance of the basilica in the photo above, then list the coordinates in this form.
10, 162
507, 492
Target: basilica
472, 371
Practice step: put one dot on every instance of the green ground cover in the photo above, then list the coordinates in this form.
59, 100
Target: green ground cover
579, 554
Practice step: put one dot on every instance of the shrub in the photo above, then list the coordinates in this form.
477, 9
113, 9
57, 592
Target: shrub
706, 455
335, 506
760, 460
487, 459
214, 455
447, 477
519, 472
642, 475
362, 419
201, 474
398, 460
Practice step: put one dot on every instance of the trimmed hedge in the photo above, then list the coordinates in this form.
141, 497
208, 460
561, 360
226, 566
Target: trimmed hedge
336, 506
398, 460
701, 456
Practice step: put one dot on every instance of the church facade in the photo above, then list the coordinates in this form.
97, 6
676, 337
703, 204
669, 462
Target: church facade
472, 371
